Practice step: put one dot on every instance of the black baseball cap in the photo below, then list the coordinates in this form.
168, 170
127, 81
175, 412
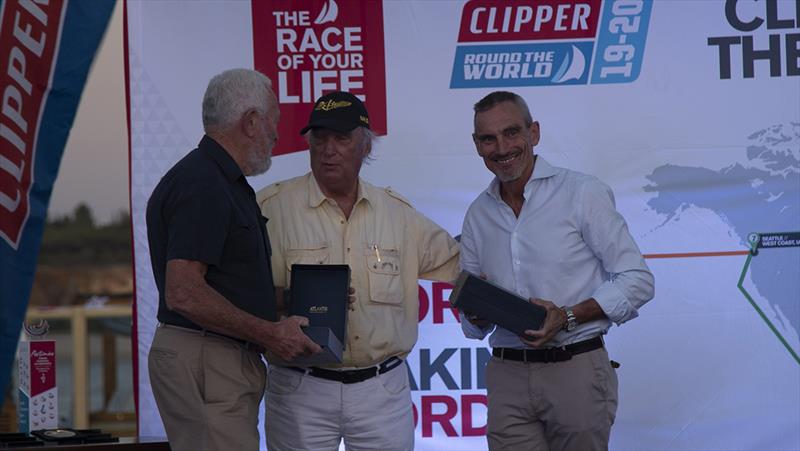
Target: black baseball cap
339, 111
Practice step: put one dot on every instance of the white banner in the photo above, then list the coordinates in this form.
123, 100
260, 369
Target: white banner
690, 111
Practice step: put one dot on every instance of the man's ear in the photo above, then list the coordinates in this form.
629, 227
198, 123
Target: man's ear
477, 144
249, 123
534, 129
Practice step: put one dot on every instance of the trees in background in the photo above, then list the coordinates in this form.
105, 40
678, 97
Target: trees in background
77, 239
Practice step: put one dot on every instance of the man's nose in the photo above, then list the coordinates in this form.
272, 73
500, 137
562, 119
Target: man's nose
503, 144
328, 147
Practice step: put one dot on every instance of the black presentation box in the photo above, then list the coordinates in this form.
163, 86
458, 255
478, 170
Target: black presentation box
320, 293
496, 304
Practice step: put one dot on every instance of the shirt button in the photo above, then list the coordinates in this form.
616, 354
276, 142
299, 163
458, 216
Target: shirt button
356, 337
341, 222
348, 249
516, 262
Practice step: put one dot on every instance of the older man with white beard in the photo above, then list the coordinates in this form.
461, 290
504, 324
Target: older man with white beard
211, 262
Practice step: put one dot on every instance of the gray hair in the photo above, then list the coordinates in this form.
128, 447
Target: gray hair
366, 138
496, 97
231, 94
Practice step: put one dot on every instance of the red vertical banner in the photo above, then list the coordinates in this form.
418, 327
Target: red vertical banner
311, 47
29, 33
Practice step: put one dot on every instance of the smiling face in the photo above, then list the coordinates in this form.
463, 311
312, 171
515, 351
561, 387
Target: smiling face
504, 141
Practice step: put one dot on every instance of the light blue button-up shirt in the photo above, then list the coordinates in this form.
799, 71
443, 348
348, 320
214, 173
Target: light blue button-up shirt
569, 244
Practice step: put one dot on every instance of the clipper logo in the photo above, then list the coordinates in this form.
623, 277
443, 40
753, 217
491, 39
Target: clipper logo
29, 34
781, 49
565, 42
311, 47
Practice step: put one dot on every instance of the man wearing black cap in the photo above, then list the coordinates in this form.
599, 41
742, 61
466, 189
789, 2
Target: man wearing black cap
332, 216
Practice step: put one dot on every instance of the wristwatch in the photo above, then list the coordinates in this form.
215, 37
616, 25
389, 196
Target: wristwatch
572, 321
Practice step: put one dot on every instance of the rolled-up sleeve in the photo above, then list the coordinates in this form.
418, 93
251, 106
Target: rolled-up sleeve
631, 284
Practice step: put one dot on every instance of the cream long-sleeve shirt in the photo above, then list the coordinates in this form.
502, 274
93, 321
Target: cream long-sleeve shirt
305, 227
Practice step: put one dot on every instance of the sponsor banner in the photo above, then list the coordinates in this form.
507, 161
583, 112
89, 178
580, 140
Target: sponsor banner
311, 47
620, 41
740, 50
46, 49
528, 20
29, 50
614, 49
489, 66
647, 113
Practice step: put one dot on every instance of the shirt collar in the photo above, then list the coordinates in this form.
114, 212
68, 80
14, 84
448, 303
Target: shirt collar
224, 160
541, 170
316, 197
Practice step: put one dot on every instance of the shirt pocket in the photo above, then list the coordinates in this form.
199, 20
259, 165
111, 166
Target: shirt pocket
307, 254
383, 270
243, 242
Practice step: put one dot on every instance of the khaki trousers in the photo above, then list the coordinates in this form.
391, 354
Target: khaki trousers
207, 388
557, 406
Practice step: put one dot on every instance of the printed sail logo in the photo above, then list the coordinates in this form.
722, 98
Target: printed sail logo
555, 42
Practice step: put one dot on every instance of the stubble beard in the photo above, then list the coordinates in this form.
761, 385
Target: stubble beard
257, 164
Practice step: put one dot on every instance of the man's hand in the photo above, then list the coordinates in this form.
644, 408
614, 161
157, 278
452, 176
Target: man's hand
288, 340
553, 323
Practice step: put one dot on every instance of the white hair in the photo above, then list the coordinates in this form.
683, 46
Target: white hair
231, 94
366, 138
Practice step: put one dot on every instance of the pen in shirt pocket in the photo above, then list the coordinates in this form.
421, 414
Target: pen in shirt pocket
377, 252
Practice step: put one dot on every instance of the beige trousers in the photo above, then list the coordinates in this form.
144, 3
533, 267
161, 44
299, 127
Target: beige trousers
567, 406
312, 414
207, 389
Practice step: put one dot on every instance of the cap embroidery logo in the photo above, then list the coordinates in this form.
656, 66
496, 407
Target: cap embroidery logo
331, 105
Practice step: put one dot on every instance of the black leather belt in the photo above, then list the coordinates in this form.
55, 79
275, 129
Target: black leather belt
244, 343
548, 355
350, 376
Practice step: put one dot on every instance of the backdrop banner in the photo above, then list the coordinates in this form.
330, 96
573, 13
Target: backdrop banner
690, 111
46, 50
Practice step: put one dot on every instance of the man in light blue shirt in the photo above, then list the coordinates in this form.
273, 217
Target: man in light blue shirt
554, 236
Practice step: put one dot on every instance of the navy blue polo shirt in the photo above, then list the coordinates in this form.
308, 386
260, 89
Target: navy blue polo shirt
204, 210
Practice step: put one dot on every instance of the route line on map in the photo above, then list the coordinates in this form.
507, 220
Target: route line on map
740, 285
698, 254
755, 240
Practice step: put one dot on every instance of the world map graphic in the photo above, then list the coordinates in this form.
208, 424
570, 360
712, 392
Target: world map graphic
759, 196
